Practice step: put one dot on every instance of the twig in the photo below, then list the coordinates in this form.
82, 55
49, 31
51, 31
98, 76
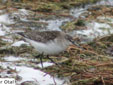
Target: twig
105, 64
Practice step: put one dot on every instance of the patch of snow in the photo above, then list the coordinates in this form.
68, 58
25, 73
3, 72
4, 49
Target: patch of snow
16, 31
2, 33
2, 11
7, 40
4, 1
13, 58
4, 19
45, 64
105, 2
76, 12
96, 29
20, 15
3, 29
23, 11
19, 43
106, 19
30, 74
55, 24
5, 65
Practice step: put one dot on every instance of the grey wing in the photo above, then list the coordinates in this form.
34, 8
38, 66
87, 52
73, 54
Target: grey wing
31, 36
39, 36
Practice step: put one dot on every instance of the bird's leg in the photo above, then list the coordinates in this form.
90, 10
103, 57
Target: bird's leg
52, 60
41, 61
40, 56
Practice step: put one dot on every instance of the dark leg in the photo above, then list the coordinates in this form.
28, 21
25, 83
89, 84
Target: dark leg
52, 60
41, 61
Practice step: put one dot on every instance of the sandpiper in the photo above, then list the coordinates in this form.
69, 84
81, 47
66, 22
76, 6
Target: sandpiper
48, 42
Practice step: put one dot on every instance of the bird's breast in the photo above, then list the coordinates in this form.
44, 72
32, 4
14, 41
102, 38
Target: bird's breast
49, 48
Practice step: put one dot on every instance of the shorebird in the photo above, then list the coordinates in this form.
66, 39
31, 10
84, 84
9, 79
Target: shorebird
48, 42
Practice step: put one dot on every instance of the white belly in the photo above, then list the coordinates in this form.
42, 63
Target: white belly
50, 48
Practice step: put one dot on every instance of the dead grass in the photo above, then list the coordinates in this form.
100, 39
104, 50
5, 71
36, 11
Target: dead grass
91, 66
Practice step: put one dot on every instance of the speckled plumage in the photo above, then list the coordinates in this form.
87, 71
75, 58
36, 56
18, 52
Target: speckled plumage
44, 36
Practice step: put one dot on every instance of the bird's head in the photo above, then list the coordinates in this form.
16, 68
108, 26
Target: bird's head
70, 38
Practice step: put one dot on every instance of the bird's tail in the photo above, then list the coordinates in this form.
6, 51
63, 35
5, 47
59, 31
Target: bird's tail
21, 33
